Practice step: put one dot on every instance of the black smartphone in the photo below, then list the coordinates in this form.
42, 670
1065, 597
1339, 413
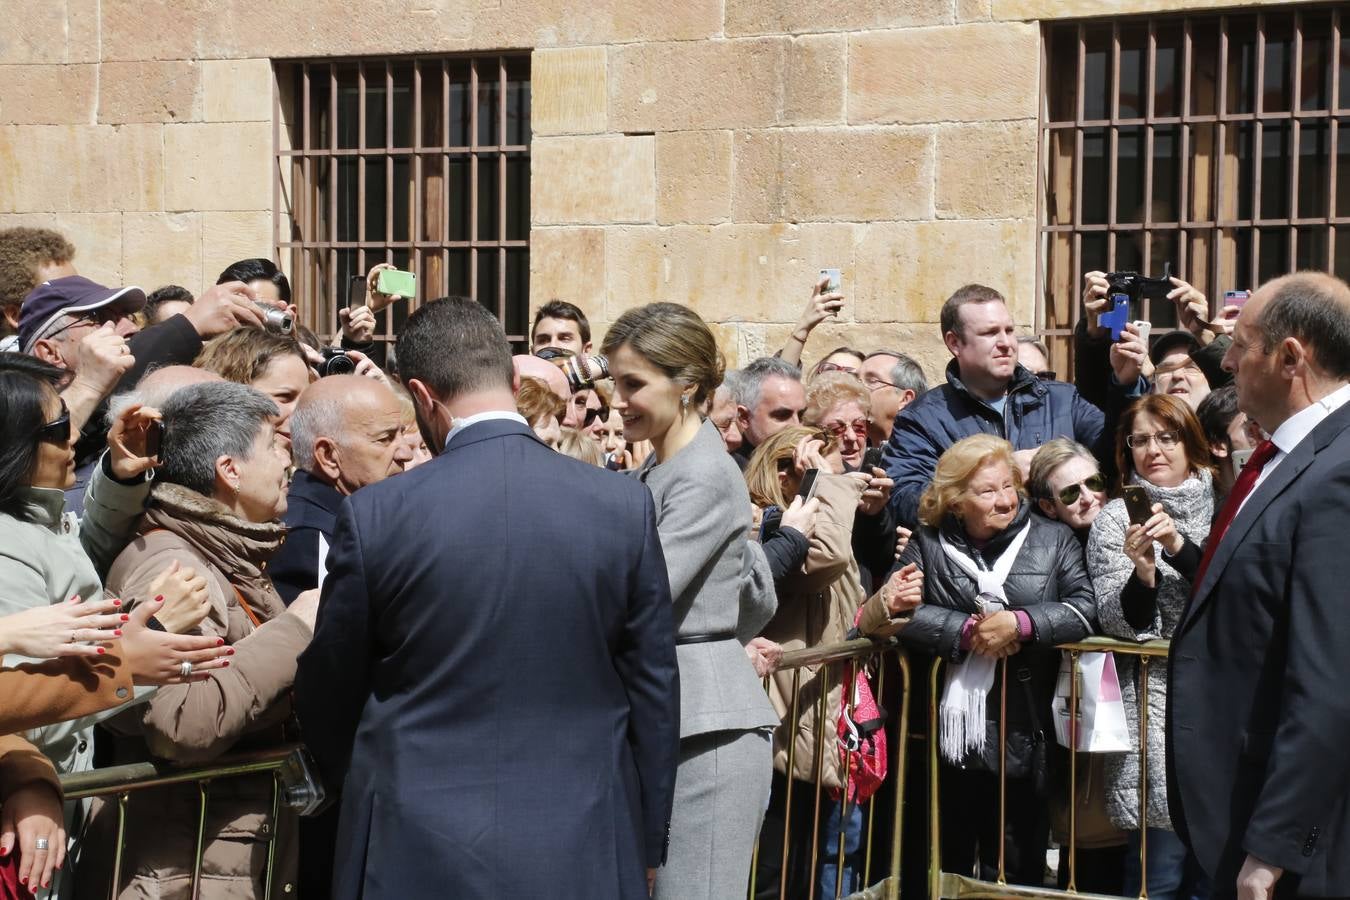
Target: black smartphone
356, 291
871, 459
154, 437
1136, 504
807, 489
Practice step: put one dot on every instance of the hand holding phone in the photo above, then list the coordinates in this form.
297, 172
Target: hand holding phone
1136, 504
871, 460
807, 489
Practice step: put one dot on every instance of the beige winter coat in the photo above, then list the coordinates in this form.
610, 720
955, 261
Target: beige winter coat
244, 707
816, 606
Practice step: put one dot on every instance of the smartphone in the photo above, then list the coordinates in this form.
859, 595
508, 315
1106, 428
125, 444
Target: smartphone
356, 291
1136, 503
807, 489
835, 280
396, 283
154, 437
871, 460
1239, 458
1144, 329
1236, 298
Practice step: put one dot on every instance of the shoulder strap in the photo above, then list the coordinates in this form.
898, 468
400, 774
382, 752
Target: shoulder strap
243, 604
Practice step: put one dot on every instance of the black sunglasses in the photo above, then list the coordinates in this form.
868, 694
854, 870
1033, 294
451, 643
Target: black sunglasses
599, 412
1095, 483
58, 430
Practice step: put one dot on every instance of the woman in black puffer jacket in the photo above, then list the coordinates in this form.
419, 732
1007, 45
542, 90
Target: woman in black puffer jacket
999, 584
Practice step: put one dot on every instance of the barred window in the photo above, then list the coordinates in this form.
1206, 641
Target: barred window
419, 162
1211, 142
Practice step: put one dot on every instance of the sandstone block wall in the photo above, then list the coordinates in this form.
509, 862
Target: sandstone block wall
713, 152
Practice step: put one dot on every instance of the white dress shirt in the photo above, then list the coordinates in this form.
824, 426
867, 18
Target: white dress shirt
490, 415
1297, 427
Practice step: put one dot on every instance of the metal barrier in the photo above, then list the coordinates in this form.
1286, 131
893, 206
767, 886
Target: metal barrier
120, 781
941, 884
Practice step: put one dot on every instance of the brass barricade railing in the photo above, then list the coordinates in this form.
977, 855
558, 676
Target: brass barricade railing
864, 653
964, 886
886, 863
118, 782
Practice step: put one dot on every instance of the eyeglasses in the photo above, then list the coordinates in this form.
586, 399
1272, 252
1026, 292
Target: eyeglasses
56, 431
839, 429
1166, 440
94, 317
874, 383
1094, 484
835, 367
1188, 366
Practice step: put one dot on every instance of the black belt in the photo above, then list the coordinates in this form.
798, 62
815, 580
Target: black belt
705, 638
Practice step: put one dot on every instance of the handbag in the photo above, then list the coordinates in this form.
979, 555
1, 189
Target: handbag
1100, 724
862, 739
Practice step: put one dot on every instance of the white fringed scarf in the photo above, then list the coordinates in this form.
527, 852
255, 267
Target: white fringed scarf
962, 711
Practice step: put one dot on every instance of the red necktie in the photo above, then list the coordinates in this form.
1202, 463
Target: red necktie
1246, 480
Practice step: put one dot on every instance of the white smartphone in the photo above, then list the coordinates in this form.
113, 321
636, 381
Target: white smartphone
836, 280
1144, 329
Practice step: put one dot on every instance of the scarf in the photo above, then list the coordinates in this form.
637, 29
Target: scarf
962, 711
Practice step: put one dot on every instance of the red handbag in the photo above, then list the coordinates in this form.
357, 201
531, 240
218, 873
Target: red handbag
862, 737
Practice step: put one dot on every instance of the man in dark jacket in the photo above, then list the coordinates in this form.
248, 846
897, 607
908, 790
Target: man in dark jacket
1257, 712
493, 676
986, 391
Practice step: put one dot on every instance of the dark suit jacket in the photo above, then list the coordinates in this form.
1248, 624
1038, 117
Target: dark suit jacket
311, 511
1258, 709
494, 671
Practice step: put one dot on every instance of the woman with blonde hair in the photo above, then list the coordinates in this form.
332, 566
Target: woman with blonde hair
1001, 589
817, 603
666, 365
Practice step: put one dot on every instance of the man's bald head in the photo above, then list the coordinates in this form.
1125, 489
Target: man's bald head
157, 385
1314, 309
534, 367
347, 432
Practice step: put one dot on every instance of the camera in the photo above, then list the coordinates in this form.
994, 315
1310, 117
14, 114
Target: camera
276, 320
1125, 289
336, 362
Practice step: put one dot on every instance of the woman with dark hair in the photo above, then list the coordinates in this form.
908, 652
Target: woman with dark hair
1142, 575
47, 556
666, 365
269, 284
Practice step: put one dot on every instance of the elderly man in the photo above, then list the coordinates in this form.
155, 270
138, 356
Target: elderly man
1257, 718
345, 434
895, 381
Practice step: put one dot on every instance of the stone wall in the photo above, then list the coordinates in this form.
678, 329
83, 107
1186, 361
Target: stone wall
714, 152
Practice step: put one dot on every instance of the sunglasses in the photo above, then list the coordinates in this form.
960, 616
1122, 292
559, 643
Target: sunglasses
1095, 483
839, 429
593, 414
56, 431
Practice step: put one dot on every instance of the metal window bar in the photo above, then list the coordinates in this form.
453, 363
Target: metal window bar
329, 219
1254, 123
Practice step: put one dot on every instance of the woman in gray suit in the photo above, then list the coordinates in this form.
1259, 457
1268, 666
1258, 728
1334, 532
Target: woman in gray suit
666, 365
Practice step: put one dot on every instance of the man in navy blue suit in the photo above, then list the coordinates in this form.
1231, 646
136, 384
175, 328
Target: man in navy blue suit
492, 680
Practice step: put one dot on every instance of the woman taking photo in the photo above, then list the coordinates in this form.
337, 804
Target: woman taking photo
666, 365
216, 507
1142, 575
1000, 584
817, 603
47, 557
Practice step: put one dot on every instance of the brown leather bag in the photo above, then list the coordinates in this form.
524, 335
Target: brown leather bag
1094, 825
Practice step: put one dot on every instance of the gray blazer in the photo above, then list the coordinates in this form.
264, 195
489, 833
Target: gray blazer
719, 581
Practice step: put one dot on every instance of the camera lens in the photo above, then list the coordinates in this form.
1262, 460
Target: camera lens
337, 363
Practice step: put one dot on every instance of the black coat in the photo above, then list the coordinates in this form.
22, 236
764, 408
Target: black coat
311, 513
1048, 580
1258, 707
496, 678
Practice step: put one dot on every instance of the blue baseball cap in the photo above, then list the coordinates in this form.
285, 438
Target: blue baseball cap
48, 302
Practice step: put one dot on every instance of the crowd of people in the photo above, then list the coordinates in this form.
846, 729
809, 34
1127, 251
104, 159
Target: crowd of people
527, 611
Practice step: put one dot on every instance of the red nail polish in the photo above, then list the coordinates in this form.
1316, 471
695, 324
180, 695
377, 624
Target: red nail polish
220, 642
159, 599
101, 651
117, 603
126, 618
4, 851
117, 632
74, 596
229, 651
